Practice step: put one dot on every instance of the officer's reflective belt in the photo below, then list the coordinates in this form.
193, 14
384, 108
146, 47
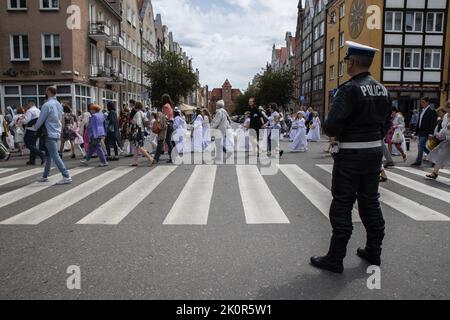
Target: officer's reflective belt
360, 145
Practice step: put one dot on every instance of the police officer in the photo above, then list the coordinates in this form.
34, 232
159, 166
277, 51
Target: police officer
359, 119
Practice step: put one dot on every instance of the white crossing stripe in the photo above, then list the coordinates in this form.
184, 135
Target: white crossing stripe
314, 191
193, 204
6, 170
445, 171
22, 193
51, 207
404, 205
422, 174
260, 205
116, 209
419, 187
20, 176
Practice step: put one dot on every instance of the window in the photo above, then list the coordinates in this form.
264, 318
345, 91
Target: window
332, 72
341, 39
51, 47
412, 58
321, 55
394, 21
322, 28
19, 48
432, 59
332, 44
319, 6
414, 21
341, 69
49, 4
392, 57
342, 10
320, 83
435, 22
316, 32
17, 4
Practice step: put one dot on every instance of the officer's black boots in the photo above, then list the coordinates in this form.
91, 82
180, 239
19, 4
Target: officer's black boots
371, 256
327, 263
333, 261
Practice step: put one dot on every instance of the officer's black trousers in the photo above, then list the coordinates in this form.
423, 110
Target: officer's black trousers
356, 177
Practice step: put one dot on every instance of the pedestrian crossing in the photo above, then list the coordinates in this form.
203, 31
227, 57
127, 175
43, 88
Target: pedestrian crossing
7, 170
408, 207
192, 206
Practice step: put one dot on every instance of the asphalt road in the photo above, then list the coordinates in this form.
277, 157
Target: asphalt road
140, 257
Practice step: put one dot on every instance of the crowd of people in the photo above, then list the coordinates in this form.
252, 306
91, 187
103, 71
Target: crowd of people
432, 129
100, 131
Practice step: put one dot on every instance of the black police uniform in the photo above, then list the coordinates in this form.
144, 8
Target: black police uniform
359, 117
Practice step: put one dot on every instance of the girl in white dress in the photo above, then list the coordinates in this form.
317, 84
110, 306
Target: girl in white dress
300, 142
243, 134
197, 137
206, 128
294, 128
314, 132
180, 130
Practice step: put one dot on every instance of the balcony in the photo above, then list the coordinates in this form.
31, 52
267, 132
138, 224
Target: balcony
116, 78
115, 42
100, 73
100, 31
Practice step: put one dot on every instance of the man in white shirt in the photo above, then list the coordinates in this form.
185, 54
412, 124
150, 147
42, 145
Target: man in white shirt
31, 117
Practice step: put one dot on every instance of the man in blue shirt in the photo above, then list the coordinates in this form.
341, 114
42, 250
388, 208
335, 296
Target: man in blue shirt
50, 117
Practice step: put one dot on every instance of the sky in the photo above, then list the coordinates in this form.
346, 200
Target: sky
228, 39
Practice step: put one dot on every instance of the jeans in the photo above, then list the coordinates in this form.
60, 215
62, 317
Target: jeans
422, 149
169, 142
356, 180
52, 155
96, 145
30, 142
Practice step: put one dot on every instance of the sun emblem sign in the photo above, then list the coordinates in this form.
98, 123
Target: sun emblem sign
357, 18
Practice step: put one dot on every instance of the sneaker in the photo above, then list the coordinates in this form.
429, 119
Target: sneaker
43, 180
64, 181
8, 156
84, 163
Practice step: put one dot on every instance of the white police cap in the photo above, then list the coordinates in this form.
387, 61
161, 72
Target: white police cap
357, 49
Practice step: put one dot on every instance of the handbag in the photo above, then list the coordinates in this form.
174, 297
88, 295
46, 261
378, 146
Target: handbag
398, 137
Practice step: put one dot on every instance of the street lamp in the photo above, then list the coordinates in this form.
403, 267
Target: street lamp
141, 30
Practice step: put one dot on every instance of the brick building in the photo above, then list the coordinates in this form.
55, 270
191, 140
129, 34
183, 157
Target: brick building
227, 94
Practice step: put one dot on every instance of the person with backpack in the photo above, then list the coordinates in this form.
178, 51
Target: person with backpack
137, 135
160, 128
112, 132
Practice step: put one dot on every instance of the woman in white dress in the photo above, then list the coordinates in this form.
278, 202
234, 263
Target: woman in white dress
197, 137
397, 139
314, 132
243, 134
294, 127
440, 156
206, 128
300, 142
19, 131
180, 130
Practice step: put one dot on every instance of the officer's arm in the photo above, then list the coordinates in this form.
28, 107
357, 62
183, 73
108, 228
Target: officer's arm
340, 112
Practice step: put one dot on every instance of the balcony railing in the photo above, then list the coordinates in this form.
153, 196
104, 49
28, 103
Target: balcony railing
100, 73
115, 42
99, 29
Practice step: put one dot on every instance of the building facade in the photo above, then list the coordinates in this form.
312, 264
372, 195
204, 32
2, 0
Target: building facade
79, 53
298, 55
227, 94
414, 59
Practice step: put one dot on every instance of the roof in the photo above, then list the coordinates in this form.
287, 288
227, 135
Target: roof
283, 55
227, 84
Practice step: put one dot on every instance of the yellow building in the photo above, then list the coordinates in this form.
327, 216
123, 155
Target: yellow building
347, 21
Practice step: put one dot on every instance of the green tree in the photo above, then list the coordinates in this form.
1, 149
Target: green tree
170, 75
276, 86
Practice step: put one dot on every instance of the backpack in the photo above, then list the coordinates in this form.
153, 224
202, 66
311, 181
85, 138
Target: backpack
155, 128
